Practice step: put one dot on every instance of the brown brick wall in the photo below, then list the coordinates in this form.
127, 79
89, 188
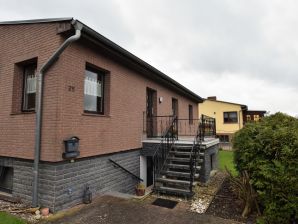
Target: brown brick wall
120, 129
19, 43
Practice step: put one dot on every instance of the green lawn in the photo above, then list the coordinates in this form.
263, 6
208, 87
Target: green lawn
226, 159
6, 218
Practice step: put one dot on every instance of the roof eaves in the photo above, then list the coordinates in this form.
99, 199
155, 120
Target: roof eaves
51, 20
220, 101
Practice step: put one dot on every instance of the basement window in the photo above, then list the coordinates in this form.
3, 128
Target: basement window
6, 177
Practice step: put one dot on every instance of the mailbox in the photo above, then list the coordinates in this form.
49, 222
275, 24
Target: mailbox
71, 148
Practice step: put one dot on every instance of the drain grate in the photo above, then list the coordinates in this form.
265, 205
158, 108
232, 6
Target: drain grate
165, 203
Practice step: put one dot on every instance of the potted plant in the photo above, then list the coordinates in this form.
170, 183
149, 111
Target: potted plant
140, 189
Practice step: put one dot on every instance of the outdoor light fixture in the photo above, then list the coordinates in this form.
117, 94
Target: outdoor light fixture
160, 99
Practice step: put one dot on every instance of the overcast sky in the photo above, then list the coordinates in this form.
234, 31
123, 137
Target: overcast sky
238, 50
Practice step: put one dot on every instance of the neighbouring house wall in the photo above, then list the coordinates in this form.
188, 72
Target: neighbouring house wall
121, 128
216, 110
62, 184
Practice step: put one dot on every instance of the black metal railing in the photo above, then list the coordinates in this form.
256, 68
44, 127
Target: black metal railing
162, 150
155, 126
194, 154
206, 128
127, 171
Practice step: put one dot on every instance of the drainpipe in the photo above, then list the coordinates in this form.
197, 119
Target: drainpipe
38, 122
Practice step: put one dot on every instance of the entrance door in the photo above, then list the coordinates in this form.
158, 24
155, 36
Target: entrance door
175, 107
151, 112
149, 171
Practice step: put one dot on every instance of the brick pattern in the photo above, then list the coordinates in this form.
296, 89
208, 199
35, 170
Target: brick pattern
120, 129
61, 185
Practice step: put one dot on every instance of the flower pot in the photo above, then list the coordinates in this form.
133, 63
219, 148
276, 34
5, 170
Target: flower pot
140, 191
45, 211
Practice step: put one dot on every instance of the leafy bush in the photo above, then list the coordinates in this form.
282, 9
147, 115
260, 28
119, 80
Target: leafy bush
268, 151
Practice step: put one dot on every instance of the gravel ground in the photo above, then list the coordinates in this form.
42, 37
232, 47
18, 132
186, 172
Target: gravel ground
20, 210
204, 194
227, 205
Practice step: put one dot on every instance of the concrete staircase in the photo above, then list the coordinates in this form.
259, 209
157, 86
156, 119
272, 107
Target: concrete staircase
175, 177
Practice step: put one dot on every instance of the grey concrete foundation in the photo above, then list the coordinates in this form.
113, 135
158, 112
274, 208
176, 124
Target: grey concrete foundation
206, 166
211, 148
62, 184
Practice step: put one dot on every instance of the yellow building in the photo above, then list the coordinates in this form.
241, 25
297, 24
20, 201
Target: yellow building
229, 118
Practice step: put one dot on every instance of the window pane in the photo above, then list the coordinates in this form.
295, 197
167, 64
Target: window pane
230, 117
233, 115
93, 91
190, 113
29, 91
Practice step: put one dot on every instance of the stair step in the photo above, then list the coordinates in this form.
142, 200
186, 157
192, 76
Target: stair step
173, 191
182, 146
173, 181
188, 146
177, 159
179, 166
184, 153
178, 174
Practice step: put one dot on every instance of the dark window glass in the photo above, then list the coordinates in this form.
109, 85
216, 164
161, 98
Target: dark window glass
190, 114
175, 107
93, 91
29, 91
223, 138
230, 117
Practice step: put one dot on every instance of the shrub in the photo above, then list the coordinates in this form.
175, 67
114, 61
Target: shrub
268, 151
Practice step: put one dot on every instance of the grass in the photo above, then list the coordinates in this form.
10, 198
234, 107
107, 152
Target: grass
6, 218
226, 159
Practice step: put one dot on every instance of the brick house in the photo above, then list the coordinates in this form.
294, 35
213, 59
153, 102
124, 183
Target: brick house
253, 115
92, 89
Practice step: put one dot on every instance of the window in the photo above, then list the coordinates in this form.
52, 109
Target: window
175, 107
94, 91
230, 117
223, 138
6, 176
256, 117
190, 114
29, 90
248, 118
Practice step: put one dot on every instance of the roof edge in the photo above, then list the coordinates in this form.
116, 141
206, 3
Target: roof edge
220, 101
32, 21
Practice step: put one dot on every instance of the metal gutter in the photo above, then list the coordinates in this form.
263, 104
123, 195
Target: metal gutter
31, 21
39, 96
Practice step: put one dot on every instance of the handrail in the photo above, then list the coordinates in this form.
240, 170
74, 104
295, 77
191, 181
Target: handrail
163, 148
117, 164
194, 154
155, 126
